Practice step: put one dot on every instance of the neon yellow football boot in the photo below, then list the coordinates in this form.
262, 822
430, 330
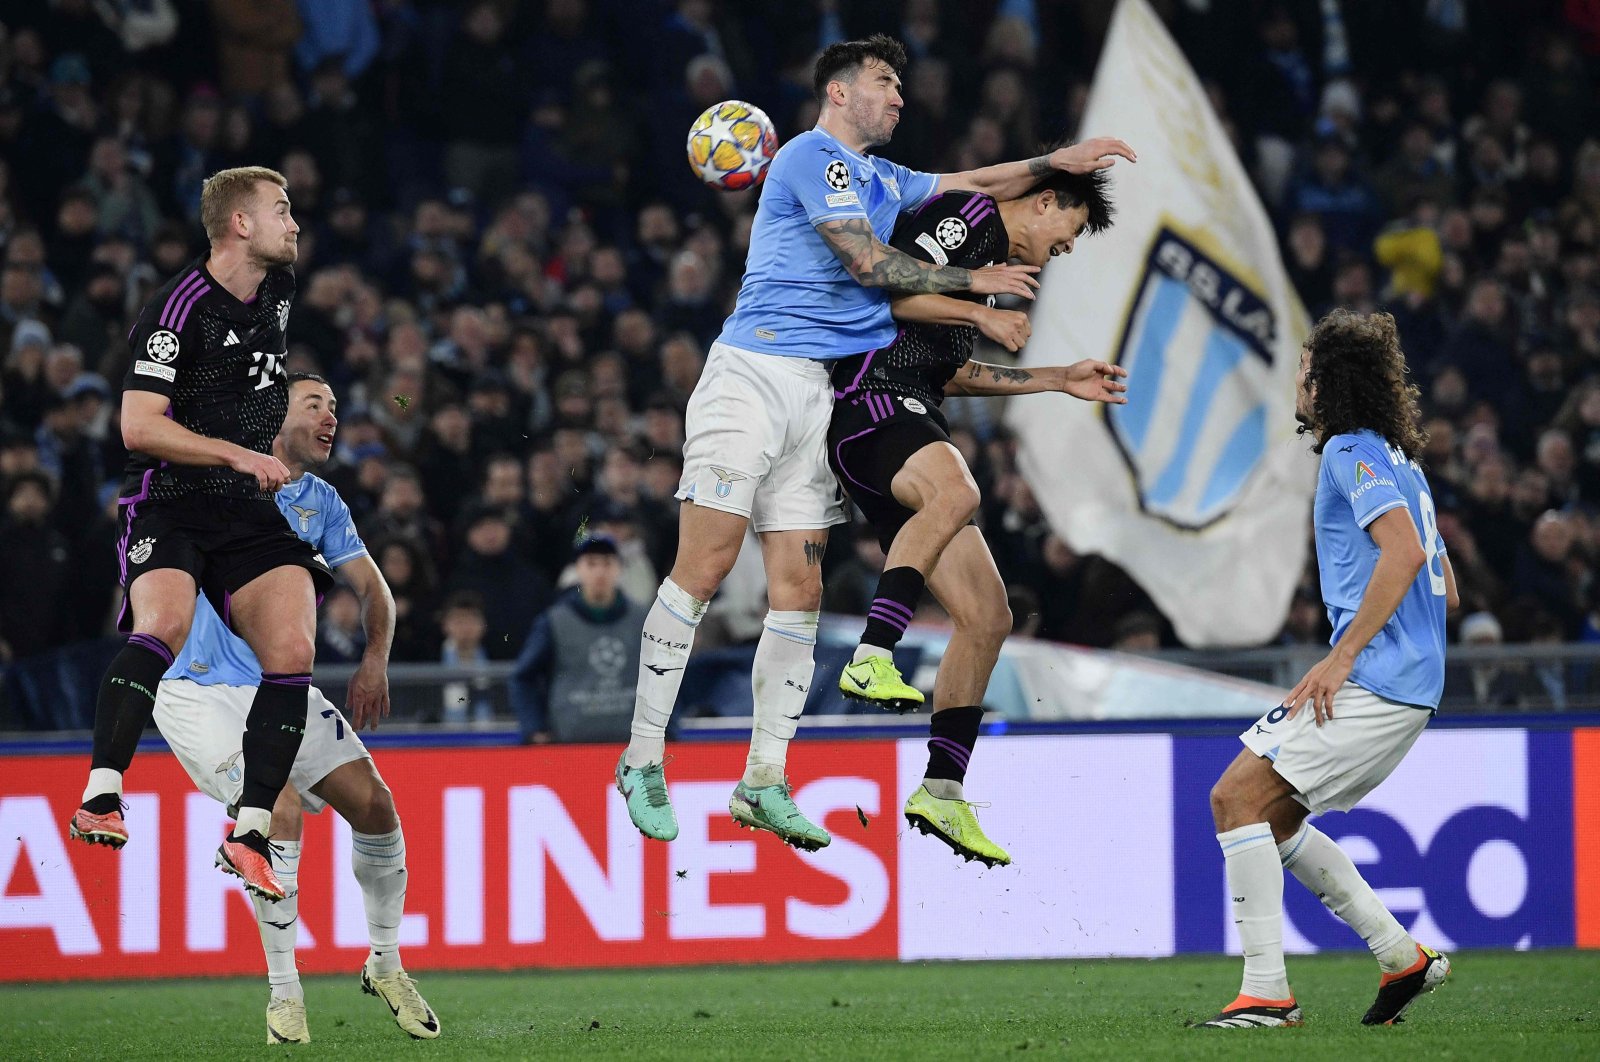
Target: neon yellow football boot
876, 681
956, 824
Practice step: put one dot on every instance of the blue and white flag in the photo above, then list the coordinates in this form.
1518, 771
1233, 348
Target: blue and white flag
1199, 486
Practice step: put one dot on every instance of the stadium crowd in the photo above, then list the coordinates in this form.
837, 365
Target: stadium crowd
510, 274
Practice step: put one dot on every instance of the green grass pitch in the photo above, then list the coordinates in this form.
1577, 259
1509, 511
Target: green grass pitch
1497, 1005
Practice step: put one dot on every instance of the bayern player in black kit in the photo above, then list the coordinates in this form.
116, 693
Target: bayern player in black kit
890, 446
201, 404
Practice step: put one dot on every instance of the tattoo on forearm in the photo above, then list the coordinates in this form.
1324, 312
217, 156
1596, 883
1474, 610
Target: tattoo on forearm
998, 373
876, 265
1040, 166
814, 551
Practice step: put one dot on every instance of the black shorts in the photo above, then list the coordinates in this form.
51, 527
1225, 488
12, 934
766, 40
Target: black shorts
871, 437
224, 543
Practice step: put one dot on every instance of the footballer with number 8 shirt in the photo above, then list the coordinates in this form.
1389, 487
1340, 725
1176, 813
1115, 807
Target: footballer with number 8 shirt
201, 404
890, 446
1387, 582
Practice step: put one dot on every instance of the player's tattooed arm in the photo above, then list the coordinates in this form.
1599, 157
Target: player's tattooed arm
874, 264
877, 265
980, 378
1089, 380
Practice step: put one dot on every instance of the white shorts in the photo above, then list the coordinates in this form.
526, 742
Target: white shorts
757, 441
204, 725
1333, 766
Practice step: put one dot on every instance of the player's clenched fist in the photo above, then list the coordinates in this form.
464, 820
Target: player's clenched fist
1009, 328
1005, 280
270, 473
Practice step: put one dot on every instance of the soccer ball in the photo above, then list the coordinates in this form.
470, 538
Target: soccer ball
731, 145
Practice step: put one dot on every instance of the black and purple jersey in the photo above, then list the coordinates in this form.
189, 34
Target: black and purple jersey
958, 228
221, 364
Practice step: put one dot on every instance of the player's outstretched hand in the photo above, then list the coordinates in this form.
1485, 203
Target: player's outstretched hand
1319, 686
1009, 328
270, 473
368, 695
1005, 279
1095, 381
1091, 155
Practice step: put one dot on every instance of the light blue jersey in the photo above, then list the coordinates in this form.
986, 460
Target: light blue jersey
214, 655
796, 299
1362, 478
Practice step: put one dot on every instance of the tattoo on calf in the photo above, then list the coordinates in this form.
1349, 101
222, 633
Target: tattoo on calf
814, 551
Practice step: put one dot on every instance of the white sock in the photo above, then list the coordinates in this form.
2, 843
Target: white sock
257, 819
280, 924
1255, 883
1323, 867
663, 653
945, 788
864, 650
379, 863
103, 780
781, 678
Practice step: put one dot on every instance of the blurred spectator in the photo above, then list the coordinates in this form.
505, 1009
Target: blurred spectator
575, 675
1335, 192
24, 385
486, 101
340, 637
465, 629
511, 589
340, 30
35, 569
410, 574
1546, 570
254, 41
1479, 347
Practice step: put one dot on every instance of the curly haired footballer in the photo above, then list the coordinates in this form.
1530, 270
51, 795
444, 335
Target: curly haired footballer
1361, 381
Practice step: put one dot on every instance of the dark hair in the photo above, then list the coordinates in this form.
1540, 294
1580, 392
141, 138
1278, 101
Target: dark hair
1092, 190
1362, 382
468, 600
308, 377
843, 61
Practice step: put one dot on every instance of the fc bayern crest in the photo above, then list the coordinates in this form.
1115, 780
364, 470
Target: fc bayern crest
1199, 340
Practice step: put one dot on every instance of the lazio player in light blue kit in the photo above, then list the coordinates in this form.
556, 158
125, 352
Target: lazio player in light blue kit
816, 288
1387, 583
204, 699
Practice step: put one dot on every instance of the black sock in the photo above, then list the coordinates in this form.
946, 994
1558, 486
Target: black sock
899, 590
955, 731
272, 734
127, 699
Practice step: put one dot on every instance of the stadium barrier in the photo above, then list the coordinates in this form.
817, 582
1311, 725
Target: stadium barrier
524, 857
1034, 680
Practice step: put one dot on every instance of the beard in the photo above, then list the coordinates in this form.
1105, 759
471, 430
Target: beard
874, 129
282, 256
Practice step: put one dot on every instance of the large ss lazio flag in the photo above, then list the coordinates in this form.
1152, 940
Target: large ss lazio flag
1198, 487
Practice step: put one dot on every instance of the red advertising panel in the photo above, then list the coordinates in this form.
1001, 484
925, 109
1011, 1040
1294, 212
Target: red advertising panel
517, 857
1586, 836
